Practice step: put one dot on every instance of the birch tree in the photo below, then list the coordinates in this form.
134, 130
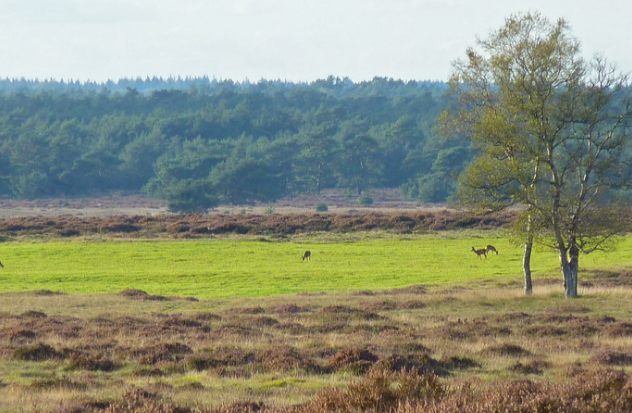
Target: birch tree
552, 132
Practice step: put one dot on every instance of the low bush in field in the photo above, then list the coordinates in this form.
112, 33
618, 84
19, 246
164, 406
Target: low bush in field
36, 352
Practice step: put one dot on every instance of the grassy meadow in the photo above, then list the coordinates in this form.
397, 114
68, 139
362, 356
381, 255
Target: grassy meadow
258, 267
375, 322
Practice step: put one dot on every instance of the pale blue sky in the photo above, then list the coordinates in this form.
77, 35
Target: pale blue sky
295, 40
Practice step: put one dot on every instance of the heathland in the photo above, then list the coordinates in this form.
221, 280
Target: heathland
394, 313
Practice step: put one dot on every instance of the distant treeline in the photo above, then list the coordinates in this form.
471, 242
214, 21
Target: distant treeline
198, 142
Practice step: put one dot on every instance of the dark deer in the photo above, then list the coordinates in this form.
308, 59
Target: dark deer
491, 248
307, 256
482, 251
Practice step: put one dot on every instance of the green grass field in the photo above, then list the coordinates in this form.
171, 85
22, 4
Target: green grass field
247, 268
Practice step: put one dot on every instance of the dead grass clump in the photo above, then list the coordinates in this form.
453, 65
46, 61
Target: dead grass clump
593, 392
21, 335
116, 227
545, 331
58, 382
341, 312
460, 363
416, 363
606, 319
292, 328
529, 367
91, 362
251, 310
413, 289
230, 356
358, 360
560, 325
610, 279
46, 292
385, 305
507, 349
380, 391
163, 352
286, 358
139, 400
177, 322
145, 371
409, 347
226, 331
131, 293
36, 352
208, 317
460, 329
290, 309
512, 317
34, 314
228, 228
142, 295
260, 322
411, 305
240, 407
613, 358
618, 329
71, 232
198, 362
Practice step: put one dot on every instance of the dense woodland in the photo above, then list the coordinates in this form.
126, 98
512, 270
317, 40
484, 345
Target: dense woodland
199, 142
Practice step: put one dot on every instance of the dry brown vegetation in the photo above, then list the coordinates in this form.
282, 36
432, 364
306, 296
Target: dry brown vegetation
409, 350
473, 349
191, 226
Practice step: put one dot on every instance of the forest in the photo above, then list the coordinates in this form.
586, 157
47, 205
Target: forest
200, 142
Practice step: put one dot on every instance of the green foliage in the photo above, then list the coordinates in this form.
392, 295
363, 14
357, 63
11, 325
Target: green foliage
322, 207
250, 142
433, 188
440, 183
552, 131
189, 196
365, 200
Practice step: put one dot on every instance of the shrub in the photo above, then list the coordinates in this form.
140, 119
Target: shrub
91, 362
366, 200
380, 391
36, 352
270, 211
322, 208
506, 349
358, 360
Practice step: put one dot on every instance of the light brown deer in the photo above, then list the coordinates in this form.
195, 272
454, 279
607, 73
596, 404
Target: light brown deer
307, 256
482, 251
491, 248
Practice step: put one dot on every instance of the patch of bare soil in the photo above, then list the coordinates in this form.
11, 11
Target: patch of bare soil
118, 204
384, 200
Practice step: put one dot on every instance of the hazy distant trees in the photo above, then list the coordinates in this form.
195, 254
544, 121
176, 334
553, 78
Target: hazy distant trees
201, 142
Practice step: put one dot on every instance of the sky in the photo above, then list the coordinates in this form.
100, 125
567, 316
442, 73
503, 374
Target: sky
292, 40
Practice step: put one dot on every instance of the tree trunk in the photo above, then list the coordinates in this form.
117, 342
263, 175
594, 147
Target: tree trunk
526, 260
318, 177
526, 266
569, 270
573, 267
